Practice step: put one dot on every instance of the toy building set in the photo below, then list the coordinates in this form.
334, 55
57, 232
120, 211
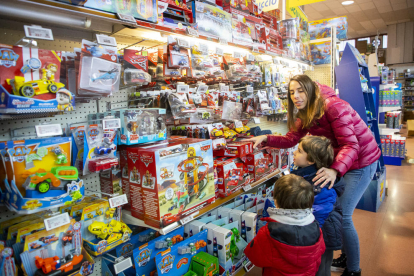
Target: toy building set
321, 52
322, 28
30, 81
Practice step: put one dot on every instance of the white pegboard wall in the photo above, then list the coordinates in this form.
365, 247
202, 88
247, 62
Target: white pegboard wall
321, 74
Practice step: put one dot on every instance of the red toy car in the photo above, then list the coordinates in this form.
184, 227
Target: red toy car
48, 265
102, 164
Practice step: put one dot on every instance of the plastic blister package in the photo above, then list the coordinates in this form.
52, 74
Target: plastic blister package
136, 76
180, 106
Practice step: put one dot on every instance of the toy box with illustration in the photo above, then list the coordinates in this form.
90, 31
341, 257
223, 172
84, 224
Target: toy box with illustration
123, 164
212, 21
270, 38
101, 231
244, 28
176, 180
176, 259
99, 152
42, 176
321, 52
237, 246
110, 181
144, 255
174, 15
235, 149
56, 252
143, 125
99, 71
232, 175
322, 28
260, 163
140, 9
30, 81
135, 64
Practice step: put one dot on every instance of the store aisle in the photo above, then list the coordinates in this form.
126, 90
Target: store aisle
387, 237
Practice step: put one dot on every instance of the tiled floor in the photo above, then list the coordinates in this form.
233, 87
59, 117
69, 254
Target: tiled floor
387, 237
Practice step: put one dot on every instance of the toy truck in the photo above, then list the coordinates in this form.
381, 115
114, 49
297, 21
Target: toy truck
203, 264
57, 179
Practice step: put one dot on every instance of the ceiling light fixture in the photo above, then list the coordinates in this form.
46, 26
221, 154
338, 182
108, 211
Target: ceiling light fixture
346, 3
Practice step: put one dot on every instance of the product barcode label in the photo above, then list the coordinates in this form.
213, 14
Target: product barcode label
48, 130
188, 218
123, 265
118, 201
57, 221
249, 89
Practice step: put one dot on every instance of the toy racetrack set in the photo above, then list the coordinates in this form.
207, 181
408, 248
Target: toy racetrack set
30, 81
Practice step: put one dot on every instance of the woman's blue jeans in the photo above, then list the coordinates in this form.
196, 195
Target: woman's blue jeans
356, 182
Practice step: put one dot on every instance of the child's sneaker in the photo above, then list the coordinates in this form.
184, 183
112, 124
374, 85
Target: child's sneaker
351, 273
339, 264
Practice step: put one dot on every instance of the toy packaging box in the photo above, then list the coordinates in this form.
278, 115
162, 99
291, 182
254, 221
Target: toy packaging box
144, 255
101, 231
260, 163
143, 125
212, 21
244, 28
232, 175
235, 149
322, 28
248, 226
42, 176
176, 259
321, 52
56, 251
123, 164
237, 246
270, 38
176, 180
30, 81
135, 65
140, 9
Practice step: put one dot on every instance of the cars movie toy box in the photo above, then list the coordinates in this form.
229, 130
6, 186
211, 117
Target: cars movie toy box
30, 81
232, 175
176, 180
235, 149
261, 163
42, 176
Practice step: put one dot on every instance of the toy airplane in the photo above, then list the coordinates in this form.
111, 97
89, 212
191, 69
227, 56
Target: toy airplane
108, 75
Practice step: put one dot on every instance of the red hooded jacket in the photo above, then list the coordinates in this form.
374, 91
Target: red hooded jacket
283, 250
354, 145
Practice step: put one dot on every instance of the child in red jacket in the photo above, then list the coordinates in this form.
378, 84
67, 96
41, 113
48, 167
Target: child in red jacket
291, 243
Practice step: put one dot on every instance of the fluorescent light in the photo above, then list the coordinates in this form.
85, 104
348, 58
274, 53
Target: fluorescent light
346, 3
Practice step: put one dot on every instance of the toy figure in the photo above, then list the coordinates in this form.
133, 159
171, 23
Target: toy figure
176, 47
64, 99
60, 156
182, 62
160, 124
110, 213
193, 249
147, 181
48, 73
133, 127
67, 237
134, 175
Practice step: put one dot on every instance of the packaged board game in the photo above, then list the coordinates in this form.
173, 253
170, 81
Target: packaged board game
322, 28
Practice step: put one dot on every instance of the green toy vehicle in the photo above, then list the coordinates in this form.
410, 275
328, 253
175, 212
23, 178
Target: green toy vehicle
57, 179
235, 237
203, 264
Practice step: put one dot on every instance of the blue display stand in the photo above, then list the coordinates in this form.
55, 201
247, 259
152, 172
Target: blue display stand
374, 195
366, 104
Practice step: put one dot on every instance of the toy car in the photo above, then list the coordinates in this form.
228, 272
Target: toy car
67, 237
169, 218
175, 73
102, 164
182, 62
57, 179
48, 265
216, 132
110, 232
203, 264
32, 88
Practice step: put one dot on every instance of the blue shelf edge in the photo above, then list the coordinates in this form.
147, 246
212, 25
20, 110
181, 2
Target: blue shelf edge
395, 161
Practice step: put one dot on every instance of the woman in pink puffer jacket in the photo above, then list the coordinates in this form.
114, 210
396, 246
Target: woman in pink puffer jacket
315, 109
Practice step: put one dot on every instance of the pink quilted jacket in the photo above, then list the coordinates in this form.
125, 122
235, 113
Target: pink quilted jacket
354, 145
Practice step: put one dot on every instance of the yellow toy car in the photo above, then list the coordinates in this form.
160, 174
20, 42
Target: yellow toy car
32, 88
216, 132
228, 134
110, 232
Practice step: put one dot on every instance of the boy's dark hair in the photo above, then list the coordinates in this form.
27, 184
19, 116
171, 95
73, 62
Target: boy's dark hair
293, 192
319, 150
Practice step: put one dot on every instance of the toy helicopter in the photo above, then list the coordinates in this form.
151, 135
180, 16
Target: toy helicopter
108, 75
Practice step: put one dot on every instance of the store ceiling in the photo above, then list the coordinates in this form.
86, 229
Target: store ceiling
365, 17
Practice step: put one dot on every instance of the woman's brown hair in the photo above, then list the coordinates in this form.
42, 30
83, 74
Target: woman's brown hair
314, 108
293, 192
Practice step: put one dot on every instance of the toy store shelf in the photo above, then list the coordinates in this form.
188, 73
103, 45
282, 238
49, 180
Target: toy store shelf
388, 131
388, 108
320, 40
389, 85
129, 219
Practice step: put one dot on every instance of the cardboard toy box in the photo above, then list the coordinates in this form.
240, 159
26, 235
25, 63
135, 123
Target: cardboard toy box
140, 9
123, 165
271, 38
260, 163
30, 81
176, 180
322, 28
244, 27
235, 149
232, 175
212, 21
321, 52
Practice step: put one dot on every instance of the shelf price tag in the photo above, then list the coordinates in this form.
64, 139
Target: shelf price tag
256, 120
192, 32
183, 43
247, 187
38, 32
286, 172
249, 89
237, 55
248, 266
250, 57
238, 124
111, 123
189, 218
183, 88
106, 40
223, 41
219, 51
127, 18
123, 265
204, 48
255, 49
118, 201
48, 130
57, 221
224, 88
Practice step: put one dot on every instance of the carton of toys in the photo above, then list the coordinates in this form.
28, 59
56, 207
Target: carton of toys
110, 181
176, 259
244, 27
271, 38
321, 52
174, 15
101, 229
322, 28
237, 246
142, 125
99, 70
232, 175
260, 163
135, 68
141, 10
41, 175
56, 251
248, 226
99, 152
212, 21
30, 81
123, 164
181, 189
235, 149
144, 255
